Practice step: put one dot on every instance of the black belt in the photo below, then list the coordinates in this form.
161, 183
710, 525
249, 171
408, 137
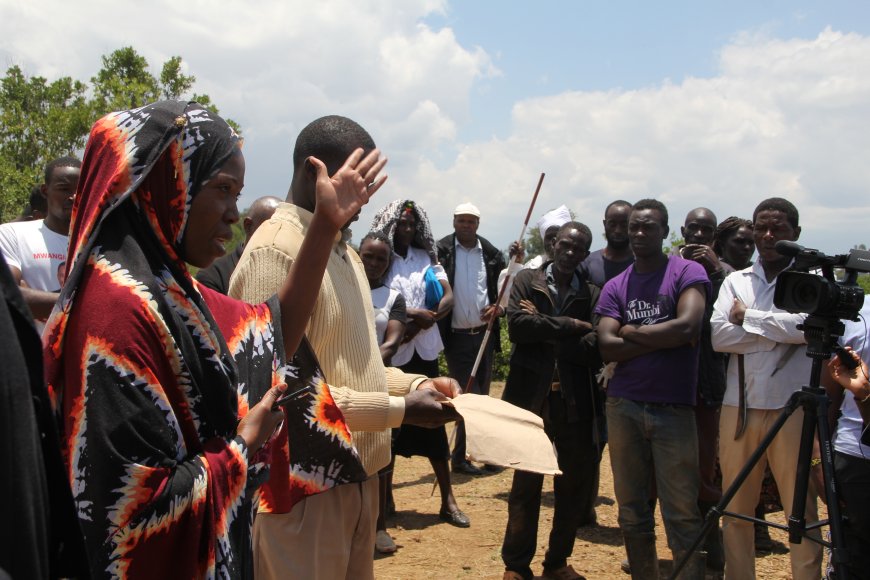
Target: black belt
471, 331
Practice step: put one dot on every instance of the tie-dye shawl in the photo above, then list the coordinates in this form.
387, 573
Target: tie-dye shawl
149, 371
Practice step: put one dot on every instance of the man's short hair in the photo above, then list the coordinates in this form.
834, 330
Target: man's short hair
68, 161
331, 139
653, 204
582, 228
618, 202
779, 204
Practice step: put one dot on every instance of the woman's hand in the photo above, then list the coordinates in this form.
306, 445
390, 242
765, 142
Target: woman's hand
855, 380
424, 318
341, 196
261, 421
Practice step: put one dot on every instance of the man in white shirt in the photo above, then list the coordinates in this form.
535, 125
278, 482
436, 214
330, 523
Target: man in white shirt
473, 266
768, 363
36, 250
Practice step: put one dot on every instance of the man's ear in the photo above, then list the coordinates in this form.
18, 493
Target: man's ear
667, 231
310, 170
797, 233
43, 189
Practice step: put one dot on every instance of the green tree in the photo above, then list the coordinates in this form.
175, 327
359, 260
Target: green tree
39, 121
42, 120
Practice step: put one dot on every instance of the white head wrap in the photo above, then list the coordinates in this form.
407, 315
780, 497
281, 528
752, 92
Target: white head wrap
557, 217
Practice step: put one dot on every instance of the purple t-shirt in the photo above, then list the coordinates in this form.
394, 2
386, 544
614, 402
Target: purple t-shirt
665, 376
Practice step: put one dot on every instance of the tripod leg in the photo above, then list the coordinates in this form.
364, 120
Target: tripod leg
839, 555
719, 510
797, 522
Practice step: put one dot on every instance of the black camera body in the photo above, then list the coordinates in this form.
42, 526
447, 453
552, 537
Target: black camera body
799, 291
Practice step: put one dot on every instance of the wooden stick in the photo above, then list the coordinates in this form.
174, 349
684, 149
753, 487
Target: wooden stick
504, 286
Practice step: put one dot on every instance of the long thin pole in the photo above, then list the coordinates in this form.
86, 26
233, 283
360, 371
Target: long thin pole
501, 291
504, 285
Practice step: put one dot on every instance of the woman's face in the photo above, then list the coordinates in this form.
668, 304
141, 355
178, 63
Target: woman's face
738, 249
405, 230
213, 212
375, 256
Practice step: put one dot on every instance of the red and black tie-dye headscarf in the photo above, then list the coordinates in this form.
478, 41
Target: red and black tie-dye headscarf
149, 371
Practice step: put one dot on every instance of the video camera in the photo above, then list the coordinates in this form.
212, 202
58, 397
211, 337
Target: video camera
799, 291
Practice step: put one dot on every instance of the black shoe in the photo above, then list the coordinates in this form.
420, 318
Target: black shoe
467, 468
456, 518
492, 468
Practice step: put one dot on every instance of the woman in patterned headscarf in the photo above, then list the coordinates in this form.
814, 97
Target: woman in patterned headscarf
406, 225
151, 372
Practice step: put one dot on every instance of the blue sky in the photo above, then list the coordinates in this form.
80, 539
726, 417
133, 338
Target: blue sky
695, 103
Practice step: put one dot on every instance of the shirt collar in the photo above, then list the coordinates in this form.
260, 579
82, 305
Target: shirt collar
457, 245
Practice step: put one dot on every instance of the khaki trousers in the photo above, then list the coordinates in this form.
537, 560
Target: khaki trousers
739, 536
327, 536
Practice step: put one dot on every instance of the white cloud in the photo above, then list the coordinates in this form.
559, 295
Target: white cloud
788, 117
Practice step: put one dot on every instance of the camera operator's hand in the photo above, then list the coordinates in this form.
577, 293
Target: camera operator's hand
855, 380
738, 310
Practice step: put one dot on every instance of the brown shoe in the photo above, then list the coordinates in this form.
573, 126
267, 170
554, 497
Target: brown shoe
566, 572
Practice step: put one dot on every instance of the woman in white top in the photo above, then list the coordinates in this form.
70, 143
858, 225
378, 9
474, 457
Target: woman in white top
849, 391
405, 224
376, 252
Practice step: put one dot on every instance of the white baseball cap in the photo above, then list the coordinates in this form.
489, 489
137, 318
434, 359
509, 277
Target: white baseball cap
467, 209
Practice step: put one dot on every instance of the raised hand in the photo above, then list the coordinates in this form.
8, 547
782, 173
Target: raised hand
341, 196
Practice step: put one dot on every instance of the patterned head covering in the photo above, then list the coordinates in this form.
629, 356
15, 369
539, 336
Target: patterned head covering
387, 219
150, 372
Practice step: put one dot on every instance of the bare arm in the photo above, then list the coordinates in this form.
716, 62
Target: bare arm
339, 198
684, 329
392, 339
615, 348
855, 380
40, 302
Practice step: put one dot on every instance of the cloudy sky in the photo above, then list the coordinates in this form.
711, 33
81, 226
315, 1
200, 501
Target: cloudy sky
719, 104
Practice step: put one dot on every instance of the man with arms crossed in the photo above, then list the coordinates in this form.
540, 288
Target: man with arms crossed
331, 535
650, 325
551, 374
768, 363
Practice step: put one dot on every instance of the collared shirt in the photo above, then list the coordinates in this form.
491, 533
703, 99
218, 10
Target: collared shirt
469, 287
406, 276
764, 340
560, 298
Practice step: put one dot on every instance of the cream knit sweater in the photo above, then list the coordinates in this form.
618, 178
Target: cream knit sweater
341, 330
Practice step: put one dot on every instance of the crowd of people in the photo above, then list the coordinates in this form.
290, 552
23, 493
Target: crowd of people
245, 421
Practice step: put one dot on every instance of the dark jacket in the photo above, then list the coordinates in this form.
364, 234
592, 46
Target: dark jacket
39, 530
712, 365
494, 263
545, 342
217, 276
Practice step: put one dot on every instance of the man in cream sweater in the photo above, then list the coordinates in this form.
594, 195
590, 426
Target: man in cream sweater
331, 535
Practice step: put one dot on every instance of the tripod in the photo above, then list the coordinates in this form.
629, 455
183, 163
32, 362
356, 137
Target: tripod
821, 334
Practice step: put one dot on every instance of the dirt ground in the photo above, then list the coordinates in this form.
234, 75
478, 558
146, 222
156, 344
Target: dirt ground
430, 548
